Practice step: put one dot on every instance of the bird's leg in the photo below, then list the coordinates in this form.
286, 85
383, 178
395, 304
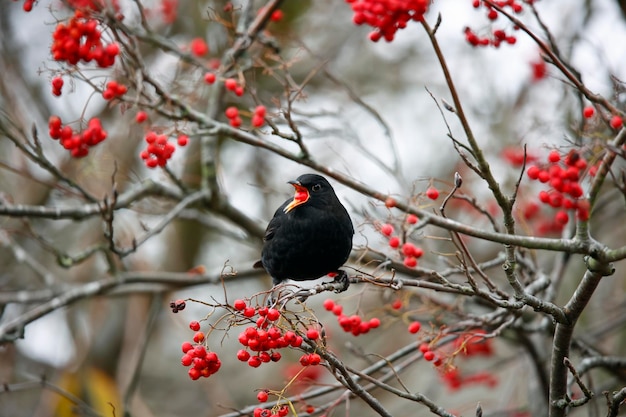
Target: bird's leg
343, 279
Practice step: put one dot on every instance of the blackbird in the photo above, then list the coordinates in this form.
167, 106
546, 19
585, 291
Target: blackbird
309, 236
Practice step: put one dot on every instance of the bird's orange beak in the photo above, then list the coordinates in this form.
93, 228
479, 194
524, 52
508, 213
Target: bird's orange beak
301, 196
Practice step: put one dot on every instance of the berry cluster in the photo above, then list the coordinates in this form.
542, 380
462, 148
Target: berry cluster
114, 90
473, 343
351, 324
387, 16
159, 150
563, 177
234, 117
494, 39
408, 250
81, 39
429, 355
232, 113
92, 5
264, 339
57, 85
497, 36
232, 85
203, 363
78, 143
281, 411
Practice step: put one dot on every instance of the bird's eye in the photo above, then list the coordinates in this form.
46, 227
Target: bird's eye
316, 187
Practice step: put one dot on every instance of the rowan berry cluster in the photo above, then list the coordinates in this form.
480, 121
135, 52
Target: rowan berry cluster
469, 344
114, 90
281, 411
159, 149
563, 175
234, 117
232, 85
203, 363
265, 339
81, 39
387, 16
409, 252
496, 36
353, 324
78, 143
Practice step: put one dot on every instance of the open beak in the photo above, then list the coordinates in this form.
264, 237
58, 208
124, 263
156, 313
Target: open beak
301, 196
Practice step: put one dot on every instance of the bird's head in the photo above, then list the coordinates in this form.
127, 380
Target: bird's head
311, 189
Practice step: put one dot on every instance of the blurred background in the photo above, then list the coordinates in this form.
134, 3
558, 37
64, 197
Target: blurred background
373, 111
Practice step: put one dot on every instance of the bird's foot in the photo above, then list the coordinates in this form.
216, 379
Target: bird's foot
343, 279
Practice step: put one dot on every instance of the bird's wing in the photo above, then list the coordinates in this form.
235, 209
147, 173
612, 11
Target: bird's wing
275, 222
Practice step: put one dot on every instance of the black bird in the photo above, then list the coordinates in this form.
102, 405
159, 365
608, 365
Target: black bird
309, 236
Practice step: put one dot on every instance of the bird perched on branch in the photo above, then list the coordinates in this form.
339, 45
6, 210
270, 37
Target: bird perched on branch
309, 236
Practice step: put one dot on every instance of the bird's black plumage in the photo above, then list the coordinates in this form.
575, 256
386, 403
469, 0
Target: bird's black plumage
309, 235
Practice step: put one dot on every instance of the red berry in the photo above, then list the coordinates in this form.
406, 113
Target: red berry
410, 262
411, 219
186, 360
199, 47
277, 15
209, 78
262, 396
57, 83
397, 304
230, 84
239, 91
561, 217
394, 242
254, 361
616, 122
328, 304
337, 310
186, 347
429, 355
249, 311
374, 322
588, 112
236, 122
432, 193
312, 334
554, 156
239, 305
260, 111
314, 359
243, 355
198, 337
272, 314
390, 202
257, 121
232, 112
305, 360
415, 327
194, 325
194, 374
182, 140
141, 116
386, 229
424, 347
